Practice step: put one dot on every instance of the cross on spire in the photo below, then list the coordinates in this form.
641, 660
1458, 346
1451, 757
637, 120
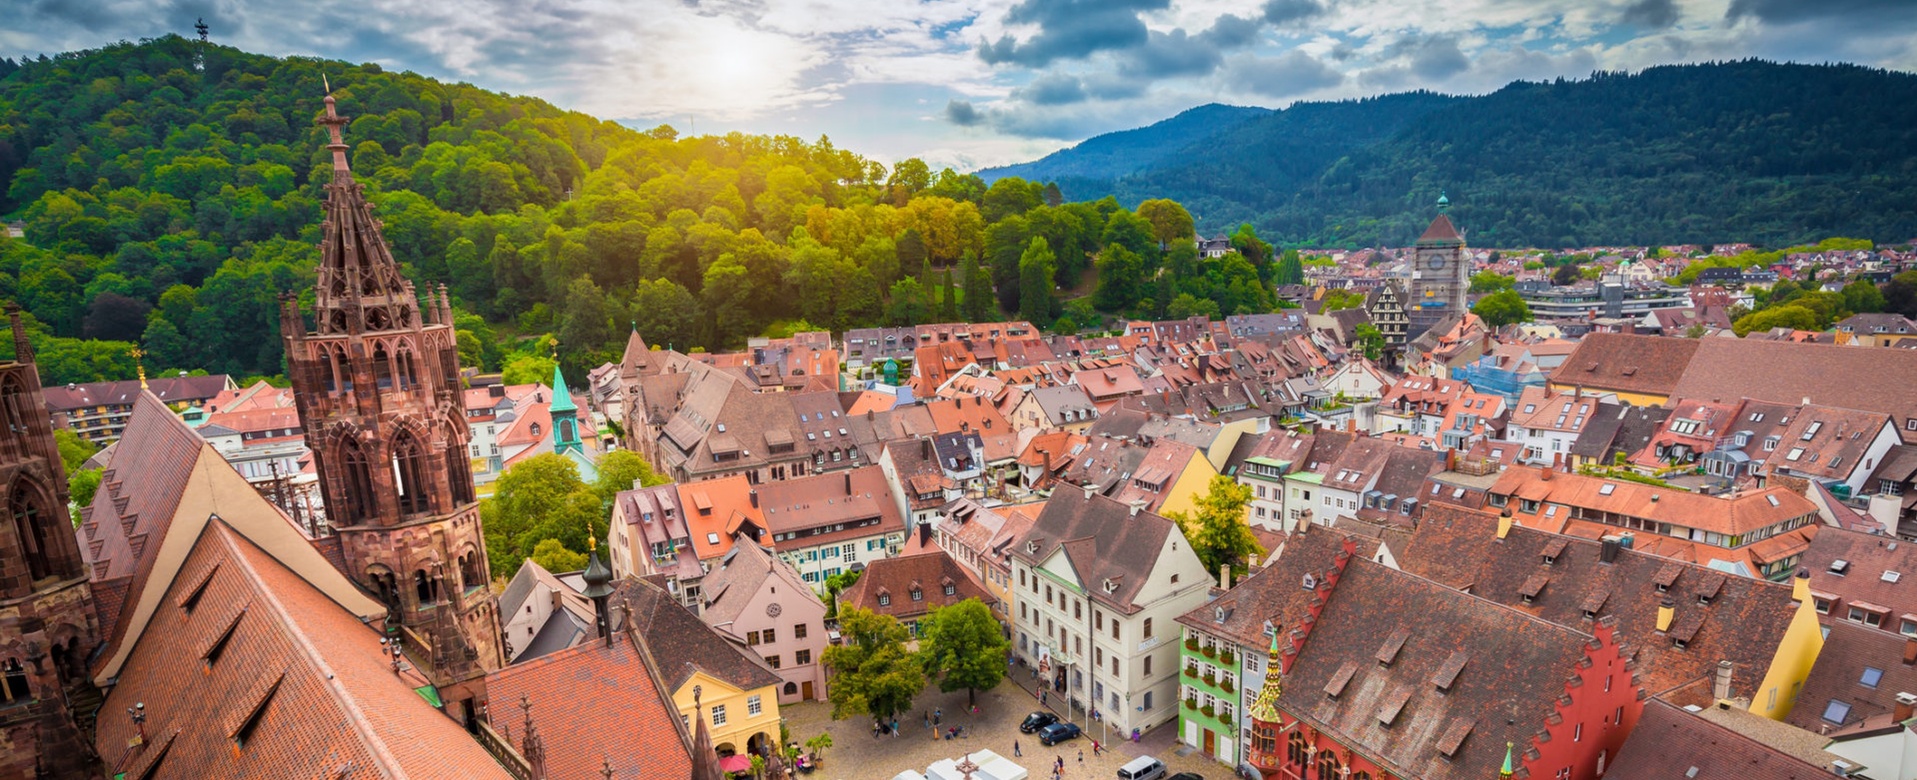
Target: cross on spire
333, 122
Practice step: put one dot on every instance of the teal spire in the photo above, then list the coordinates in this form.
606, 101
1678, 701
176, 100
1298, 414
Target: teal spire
1508, 770
561, 399
565, 417
1444, 202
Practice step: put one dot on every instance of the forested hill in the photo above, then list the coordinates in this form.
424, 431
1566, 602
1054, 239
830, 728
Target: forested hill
1737, 151
1112, 155
167, 204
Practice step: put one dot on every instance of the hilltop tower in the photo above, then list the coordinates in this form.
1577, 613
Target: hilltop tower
377, 385
47, 628
1442, 275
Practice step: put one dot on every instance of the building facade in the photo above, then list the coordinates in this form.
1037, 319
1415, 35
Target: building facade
377, 385
1443, 273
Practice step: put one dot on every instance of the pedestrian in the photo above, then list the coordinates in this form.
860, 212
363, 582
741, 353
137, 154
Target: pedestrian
1015, 750
1081, 755
937, 715
927, 716
895, 728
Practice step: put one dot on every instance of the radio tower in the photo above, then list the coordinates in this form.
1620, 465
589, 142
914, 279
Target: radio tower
199, 56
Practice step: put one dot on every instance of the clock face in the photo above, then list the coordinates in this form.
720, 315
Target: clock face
1435, 262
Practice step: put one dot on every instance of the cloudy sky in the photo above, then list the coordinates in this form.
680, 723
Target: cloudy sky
970, 83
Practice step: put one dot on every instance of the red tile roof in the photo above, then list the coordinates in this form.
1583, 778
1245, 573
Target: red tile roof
897, 578
592, 704
296, 685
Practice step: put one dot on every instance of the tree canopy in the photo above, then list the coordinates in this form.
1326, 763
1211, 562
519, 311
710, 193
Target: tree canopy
1217, 527
962, 648
872, 672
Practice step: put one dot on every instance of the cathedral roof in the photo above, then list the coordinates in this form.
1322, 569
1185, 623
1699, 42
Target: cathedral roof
252, 671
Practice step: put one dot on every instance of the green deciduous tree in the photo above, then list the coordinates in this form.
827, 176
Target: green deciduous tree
963, 647
1035, 270
1217, 527
1502, 308
1369, 339
73, 449
873, 674
539, 499
555, 557
622, 470
1490, 282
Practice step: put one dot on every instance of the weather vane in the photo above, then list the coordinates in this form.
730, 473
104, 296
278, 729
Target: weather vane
139, 367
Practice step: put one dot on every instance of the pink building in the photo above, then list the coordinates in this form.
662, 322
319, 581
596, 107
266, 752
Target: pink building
754, 595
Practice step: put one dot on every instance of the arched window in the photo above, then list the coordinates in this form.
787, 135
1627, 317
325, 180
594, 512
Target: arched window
30, 525
384, 584
459, 469
566, 431
16, 690
425, 588
405, 368
1329, 768
1361, 776
1297, 750
471, 575
356, 479
382, 367
409, 466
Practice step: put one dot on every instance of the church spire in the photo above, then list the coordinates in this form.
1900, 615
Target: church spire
360, 288
1508, 770
337, 140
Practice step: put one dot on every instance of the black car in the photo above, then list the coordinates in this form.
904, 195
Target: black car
1056, 733
1186, 776
1036, 721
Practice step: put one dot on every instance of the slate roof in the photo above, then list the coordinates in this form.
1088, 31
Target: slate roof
1650, 365
927, 573
327, 703
681, 644
1441, 231
63, 398
1618, 428
1743, 623
1839, 675
1874, 380
1671, 743
1514, 671
1105, 542
591, 704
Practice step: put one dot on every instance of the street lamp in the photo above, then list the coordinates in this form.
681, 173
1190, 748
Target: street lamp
138, 713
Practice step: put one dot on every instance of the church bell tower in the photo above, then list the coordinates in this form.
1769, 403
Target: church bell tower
377, 384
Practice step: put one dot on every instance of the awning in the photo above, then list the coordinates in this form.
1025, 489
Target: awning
735, 763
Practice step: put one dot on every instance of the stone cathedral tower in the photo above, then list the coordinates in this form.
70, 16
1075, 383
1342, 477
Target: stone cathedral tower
377, 384
47, 623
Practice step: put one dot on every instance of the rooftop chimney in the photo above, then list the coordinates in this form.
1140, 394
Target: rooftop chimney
1224, 576
1089, 491
1910, 651
1906, 706
753, 495
1721, 687
1137, 506
1607, 549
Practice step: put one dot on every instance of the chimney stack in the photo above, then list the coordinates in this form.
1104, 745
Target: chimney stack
1721, 687
1607, 549
753, 494
1910, 651
1137, 506
1224, 576
1906, 707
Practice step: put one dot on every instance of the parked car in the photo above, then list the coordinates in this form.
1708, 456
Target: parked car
1142, 768
1056, 733
1187, 776
1036, 721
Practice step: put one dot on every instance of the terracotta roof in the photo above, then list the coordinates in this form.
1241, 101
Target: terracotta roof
1274, 595
714, 506
296, 686
1825, 374
1650, 365
1669, 742
1743, 623
1739, 514
929, 574
1846, 662
1873, 570
1441, 230
592, 704
1514, 673
819, 500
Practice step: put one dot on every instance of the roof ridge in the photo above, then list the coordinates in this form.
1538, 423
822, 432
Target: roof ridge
375, 743
1498, 607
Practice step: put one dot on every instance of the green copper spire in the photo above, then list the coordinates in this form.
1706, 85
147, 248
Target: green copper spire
1444, 203
561, 399
565, 417
1507, 771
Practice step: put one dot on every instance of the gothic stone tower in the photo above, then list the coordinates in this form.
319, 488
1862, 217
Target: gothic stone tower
377, 384
47, 624
1443, 273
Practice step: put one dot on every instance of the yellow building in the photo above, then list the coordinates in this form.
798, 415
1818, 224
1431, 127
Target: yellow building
1169, 479
737, 689
1795, 656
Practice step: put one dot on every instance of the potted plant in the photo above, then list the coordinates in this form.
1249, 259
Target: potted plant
1192, 672
1208, 710
1228, 658
1191, 702
1226, 684
1210, 651
1191, 643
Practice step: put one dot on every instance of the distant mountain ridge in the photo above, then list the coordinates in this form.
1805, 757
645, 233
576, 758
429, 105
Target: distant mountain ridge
1721, 152
1112, 155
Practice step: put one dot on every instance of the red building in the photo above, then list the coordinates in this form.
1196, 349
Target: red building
1393, 676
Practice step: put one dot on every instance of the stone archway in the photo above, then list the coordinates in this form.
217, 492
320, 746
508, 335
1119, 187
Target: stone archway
759, 744
725, 749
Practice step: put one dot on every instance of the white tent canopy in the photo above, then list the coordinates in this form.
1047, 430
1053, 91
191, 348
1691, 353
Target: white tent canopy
991, 766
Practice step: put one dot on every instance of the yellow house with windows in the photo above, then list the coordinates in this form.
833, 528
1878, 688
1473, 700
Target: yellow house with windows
737, 692
1170, 478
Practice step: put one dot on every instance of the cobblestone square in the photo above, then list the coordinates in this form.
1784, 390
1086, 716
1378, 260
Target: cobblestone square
858, 755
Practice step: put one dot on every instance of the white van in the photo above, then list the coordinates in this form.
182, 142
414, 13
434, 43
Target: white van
1142, 768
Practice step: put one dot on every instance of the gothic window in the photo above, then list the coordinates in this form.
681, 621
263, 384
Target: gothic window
470, 575
1297, 751
356, 479
1264, 738
405, 367
1328, 765
382, 367
377, 320
409, 466
30, 525
13, 405
16, 690
459, 471
566, 432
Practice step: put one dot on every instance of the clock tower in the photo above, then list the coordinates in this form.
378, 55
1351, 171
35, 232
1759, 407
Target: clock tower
1443, 273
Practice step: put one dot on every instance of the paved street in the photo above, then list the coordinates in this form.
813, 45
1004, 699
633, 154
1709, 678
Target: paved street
857, 755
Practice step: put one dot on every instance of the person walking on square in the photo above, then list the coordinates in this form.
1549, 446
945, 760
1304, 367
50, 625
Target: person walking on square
1081, 755
937, 715
1015, 750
